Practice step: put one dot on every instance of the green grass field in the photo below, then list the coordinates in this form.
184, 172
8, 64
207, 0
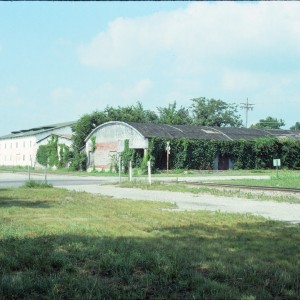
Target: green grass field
287, 179
56, 244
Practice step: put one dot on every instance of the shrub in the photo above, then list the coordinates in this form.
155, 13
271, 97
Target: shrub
37, 184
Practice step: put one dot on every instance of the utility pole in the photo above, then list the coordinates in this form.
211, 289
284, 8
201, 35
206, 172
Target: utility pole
247, 106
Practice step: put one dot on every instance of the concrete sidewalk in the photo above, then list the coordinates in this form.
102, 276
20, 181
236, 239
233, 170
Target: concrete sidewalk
187, 201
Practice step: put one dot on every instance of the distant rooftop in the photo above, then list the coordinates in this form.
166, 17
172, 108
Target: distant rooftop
36, 130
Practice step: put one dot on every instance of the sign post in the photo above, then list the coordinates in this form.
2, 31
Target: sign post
28, 173
46, 169
119, 166
276, 163
149, 171
130, 171
168, 149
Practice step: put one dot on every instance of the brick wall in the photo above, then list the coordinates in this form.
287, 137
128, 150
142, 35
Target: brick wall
103, 153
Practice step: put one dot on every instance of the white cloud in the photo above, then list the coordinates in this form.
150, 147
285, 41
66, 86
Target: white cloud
62, 94
12, 97
223, 50
202, 34
11, 90
236, 80
138, 90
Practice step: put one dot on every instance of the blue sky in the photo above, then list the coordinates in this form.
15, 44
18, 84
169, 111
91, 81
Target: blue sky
60, 60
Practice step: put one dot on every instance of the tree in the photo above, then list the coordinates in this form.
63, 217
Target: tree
84, 126
48, 154
269, 123
212, 112
88, 122
171, 115
296, 126
42, 155
132, 113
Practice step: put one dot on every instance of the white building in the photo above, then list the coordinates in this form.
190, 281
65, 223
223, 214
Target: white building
19, 147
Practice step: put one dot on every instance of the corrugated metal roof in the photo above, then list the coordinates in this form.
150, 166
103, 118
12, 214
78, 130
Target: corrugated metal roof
62, 136
36, 130
282, 133
206, 132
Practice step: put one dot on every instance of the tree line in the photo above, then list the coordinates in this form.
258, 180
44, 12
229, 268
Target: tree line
201, 112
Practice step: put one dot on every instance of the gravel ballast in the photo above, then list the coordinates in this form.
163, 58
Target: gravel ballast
283, 211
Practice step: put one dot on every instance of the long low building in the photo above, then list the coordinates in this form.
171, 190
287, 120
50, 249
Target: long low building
19, 147
107, 140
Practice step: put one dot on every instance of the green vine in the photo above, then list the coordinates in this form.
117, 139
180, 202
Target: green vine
201, 154
93, 141
53, 154
127, 156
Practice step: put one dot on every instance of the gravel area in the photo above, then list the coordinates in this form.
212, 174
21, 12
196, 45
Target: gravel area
286, 212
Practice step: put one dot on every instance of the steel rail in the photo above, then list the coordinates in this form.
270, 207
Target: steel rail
249, 187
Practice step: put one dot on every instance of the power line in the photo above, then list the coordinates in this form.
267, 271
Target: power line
247, 106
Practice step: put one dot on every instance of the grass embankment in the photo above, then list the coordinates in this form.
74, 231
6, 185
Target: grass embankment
57, 244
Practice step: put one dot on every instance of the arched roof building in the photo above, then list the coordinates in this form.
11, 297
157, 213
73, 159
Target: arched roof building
107, 140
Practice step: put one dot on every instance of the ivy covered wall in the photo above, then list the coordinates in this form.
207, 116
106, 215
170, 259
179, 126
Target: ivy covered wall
201, 154
53, 153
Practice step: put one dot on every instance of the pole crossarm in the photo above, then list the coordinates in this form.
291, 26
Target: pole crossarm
247, 106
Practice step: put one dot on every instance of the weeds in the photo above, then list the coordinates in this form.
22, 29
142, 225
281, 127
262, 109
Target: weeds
82, 246
37, 184
287, 179
179, 187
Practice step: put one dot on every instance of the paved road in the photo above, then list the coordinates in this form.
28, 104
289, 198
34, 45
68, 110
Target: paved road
187, 201
19, 178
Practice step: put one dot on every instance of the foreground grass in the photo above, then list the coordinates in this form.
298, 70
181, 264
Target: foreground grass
56, 244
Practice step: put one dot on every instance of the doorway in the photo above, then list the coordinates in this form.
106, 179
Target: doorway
223, 162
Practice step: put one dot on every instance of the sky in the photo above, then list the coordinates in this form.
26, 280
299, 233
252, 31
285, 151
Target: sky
61, 60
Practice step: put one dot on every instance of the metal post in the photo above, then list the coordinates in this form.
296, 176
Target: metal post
119, 168
130, 171
46, 173
167, 162
149, 171
28, 173
168, 148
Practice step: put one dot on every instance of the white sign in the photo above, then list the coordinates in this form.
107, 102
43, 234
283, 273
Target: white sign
276, 162
168, 148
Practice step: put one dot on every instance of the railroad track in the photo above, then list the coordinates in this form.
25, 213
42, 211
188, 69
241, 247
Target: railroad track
246, 187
